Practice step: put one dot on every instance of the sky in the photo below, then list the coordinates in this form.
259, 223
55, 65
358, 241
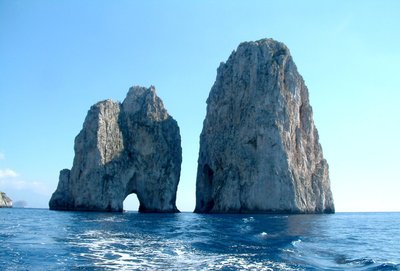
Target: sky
57, 58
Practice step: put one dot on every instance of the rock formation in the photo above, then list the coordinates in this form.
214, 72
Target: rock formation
259, 149
5, 201
133, 147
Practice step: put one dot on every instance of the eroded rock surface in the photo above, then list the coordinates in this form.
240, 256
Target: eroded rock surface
259, 149
123, 148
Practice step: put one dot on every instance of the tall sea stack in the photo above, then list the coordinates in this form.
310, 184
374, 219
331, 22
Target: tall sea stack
123, 148
259, 148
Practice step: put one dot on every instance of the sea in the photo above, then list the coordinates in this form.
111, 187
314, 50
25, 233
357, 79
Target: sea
39, 239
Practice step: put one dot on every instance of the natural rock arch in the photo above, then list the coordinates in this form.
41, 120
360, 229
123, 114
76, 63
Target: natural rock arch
123, 148
131, 202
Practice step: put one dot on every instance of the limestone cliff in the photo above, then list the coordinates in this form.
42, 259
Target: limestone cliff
259, 148
123, 148
5, 201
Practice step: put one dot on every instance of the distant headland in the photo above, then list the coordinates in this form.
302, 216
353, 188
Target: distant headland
5, 201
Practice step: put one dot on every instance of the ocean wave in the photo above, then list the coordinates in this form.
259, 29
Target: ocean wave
313, 257
365, 264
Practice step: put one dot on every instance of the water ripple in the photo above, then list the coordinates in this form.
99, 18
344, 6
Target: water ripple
46, 240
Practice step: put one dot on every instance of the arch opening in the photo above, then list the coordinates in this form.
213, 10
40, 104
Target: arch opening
131, 203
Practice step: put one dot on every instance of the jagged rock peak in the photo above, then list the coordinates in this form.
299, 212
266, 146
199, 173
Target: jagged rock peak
123, 148
5, 201
145, 100
259, 148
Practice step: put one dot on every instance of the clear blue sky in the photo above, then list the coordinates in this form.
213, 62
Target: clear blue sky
57, 58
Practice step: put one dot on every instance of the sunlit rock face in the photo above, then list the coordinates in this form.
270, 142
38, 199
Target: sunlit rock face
5, 201
123, 148
259, 149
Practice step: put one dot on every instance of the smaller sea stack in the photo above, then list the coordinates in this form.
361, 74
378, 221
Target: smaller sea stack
123, 148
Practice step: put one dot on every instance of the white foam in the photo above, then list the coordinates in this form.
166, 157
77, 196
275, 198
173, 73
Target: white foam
248, 220
129, 251
296, 243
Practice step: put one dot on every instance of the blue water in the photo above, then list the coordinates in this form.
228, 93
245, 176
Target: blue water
35, 239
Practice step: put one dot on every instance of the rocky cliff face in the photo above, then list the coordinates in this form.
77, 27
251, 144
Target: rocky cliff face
133, 147
5, 201
259, 149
